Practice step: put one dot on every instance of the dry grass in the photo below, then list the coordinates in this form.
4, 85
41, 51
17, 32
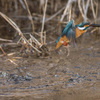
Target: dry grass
22, 39
52, 14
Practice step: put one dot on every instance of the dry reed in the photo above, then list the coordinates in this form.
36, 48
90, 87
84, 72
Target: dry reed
13, 24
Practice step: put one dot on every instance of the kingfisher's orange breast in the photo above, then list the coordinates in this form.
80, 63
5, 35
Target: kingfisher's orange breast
62, 39
65, 43
79, 32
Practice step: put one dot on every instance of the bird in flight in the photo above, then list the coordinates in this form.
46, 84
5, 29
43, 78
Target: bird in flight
71, 32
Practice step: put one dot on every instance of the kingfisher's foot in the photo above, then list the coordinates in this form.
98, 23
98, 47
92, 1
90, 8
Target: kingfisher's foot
67, 47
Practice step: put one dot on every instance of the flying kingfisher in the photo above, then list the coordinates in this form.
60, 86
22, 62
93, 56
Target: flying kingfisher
71, 32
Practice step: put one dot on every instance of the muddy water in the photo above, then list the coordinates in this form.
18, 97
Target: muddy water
55, 77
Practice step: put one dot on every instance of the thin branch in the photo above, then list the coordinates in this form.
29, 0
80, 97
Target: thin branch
80, 8
85, 8
6, 40
43, 22
44, 37
11, 23
37, 42
67, 7
30, 15
96, 3
92, 5
70, 13
50, 18
22, 3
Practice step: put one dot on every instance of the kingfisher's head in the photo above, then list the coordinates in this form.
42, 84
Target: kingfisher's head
83, 26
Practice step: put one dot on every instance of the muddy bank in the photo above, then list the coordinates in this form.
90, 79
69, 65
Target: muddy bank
69, 94
54, 77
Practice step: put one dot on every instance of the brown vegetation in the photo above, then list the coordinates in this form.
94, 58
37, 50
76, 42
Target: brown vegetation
36, 20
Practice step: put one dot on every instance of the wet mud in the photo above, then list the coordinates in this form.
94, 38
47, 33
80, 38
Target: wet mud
54, 77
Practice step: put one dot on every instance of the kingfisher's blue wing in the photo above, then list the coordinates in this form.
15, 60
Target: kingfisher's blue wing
67, 28
68, 34
69, 31
58, 39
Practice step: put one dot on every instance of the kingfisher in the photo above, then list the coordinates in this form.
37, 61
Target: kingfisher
71, 32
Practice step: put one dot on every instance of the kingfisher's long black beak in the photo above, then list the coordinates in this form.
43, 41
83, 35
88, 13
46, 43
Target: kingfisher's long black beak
95, 25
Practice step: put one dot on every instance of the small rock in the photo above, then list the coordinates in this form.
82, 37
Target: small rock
56, 76
3, 74
70, 80
90, 48
28, 78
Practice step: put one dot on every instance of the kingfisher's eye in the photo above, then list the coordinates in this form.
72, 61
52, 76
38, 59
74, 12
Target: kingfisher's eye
86, 25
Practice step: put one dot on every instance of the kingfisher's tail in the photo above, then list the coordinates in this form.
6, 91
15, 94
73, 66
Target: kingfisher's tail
58, 42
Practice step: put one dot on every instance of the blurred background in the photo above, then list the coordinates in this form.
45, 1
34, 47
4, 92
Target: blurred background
53, 77
57, 14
